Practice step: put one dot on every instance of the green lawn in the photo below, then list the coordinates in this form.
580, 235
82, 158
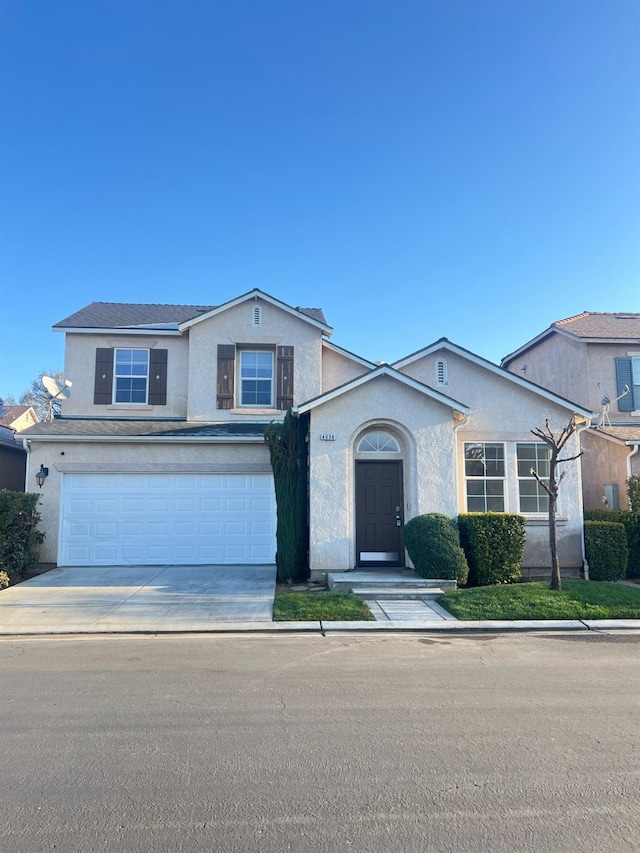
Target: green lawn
313, 606
578, 600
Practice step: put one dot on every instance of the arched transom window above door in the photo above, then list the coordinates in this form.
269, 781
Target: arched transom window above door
378, 442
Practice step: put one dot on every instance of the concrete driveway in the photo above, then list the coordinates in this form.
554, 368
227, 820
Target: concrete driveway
92, 599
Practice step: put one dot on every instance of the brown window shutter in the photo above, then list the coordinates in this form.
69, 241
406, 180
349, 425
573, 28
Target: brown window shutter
226, 376
103, 386
158, 377
284, 372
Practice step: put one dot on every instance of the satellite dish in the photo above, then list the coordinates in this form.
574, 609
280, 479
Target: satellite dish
606, 401
56, 392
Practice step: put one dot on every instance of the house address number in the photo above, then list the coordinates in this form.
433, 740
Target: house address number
327, 436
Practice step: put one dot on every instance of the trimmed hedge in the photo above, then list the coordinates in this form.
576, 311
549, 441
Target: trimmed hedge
606, 550
631, 523
19, 535
433, 543
494, 546
633, 491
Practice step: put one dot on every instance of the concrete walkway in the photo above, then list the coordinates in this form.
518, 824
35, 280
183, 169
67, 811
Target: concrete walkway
407, 610
122, 599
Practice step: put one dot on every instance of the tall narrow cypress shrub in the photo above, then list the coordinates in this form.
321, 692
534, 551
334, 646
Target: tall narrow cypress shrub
288, 450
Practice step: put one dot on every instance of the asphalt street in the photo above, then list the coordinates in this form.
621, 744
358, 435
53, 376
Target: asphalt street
311, 743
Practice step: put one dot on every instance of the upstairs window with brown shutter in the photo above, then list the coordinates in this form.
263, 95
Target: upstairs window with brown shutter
264, 377
133, 376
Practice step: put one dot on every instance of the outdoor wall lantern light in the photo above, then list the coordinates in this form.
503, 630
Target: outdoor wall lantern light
42, 475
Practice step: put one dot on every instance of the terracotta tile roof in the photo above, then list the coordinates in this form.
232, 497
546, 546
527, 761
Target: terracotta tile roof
130, 315
591, 324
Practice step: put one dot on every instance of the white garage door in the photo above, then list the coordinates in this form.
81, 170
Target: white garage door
153, 519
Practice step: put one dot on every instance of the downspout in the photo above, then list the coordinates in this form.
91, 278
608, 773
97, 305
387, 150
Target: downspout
585, 566
27, 447
461, 423
633, 453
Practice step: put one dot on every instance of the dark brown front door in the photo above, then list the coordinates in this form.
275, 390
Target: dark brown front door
379, 514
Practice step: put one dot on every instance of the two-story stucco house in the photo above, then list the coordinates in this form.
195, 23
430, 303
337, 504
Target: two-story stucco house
159, 454
592, 358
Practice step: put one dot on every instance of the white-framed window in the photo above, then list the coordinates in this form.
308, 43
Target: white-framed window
378, 442
484, 469
441, 372
533, 498
255, 375
130, 375
635, 376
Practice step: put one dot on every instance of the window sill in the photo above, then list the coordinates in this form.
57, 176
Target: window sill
247, 410
543, 520
129, 407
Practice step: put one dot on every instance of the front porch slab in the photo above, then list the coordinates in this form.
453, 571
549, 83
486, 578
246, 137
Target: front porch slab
377, 579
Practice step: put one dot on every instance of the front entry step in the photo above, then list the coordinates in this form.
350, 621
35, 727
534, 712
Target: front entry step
397, 593
404, 579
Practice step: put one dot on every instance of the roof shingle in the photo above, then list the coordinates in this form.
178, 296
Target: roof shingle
131, 315
107, 428
592, 324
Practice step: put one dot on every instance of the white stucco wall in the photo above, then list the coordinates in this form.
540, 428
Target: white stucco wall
106, 456
558, 363
506, 412
425, 431
80, 368
573, 369
234, 326
338, 369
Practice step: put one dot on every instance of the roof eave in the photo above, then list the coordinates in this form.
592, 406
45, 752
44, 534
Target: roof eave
191, 439
115, 330
384, 370
348, 354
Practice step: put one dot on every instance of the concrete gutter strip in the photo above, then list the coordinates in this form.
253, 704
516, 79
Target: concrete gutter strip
609, 624
457, 626
324, 627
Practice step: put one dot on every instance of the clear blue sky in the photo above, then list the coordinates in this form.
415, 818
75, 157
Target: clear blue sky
417, 169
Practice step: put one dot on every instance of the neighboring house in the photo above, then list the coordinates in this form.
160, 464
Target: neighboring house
13, 461
159, 455
17, 418
593, 357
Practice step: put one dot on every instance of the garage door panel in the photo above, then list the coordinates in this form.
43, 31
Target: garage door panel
106, 529
123, 519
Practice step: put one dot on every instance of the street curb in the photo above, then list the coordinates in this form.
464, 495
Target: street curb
324, 628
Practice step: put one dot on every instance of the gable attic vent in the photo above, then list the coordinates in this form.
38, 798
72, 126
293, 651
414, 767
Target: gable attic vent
441, 372
256, 316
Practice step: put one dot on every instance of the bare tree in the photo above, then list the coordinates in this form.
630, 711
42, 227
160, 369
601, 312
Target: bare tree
38, 397
556, 442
